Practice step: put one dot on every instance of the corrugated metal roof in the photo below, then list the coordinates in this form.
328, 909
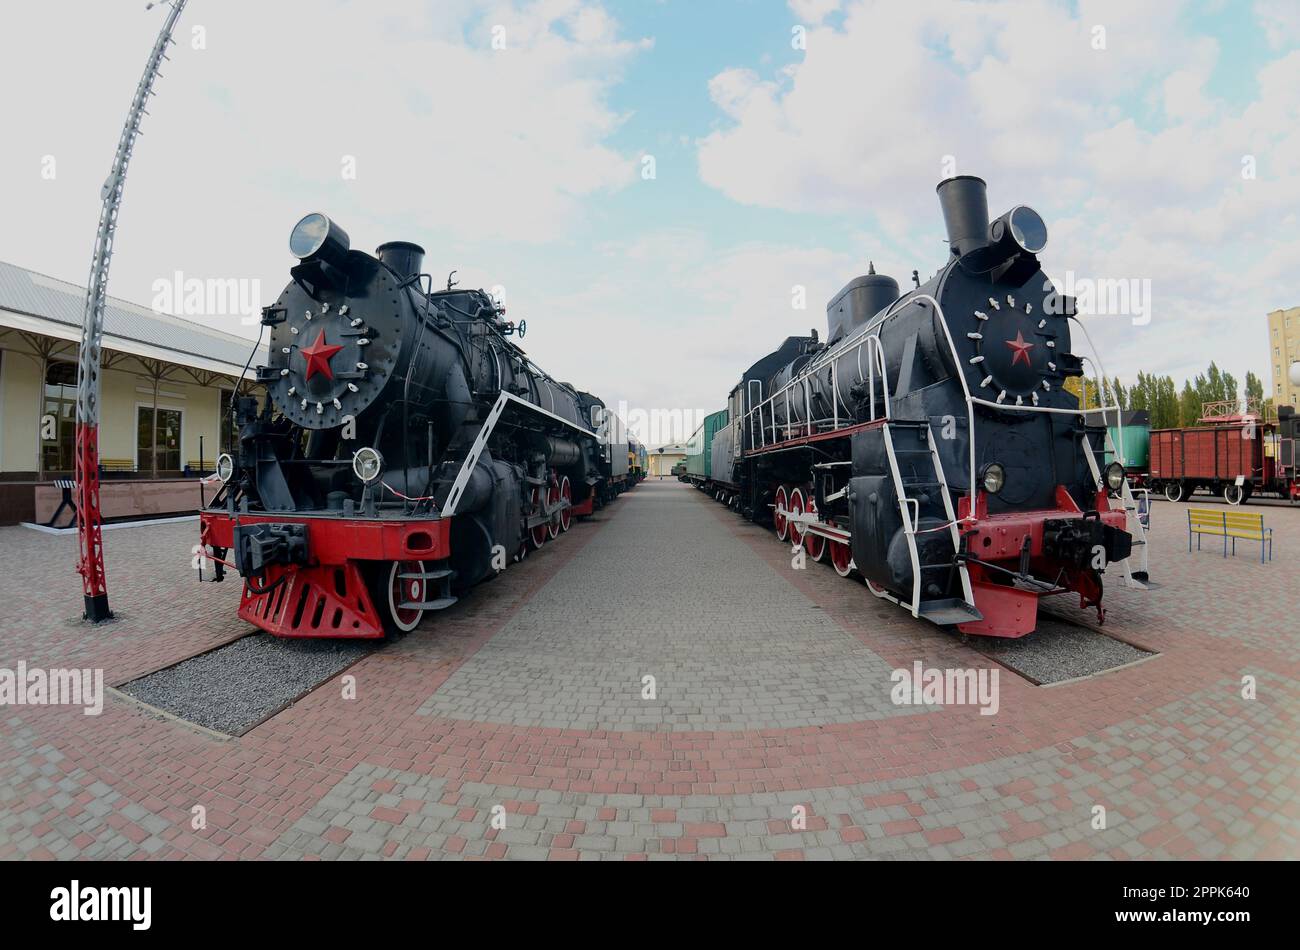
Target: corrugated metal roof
45, 298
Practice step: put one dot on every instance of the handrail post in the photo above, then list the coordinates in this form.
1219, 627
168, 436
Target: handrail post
871, 372
835, 394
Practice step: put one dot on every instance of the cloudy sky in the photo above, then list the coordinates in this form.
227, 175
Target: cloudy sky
791, 143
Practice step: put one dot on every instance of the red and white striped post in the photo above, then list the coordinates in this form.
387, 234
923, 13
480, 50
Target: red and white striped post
90, 551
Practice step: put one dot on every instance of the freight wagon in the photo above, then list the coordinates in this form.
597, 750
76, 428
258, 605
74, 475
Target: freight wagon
1236, 460
702, 449
1130, 434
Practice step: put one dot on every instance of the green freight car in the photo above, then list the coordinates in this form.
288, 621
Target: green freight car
1130, 434
1134, 441
699, 450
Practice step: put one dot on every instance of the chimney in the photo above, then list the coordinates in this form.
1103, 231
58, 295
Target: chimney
965, 206
403, 258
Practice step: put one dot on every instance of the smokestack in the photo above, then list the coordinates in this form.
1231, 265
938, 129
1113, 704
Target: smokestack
401, 257
965, 204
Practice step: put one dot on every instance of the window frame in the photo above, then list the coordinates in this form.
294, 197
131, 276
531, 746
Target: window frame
140, 467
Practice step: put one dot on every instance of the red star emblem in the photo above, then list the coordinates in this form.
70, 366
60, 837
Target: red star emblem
318, 357
1021, 349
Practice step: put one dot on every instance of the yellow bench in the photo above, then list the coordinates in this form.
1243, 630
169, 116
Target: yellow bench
117, 465
1229, 524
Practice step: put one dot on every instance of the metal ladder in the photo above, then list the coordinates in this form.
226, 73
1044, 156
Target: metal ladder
940, 610
1137, 579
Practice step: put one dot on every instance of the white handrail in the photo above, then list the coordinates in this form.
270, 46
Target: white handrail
875, 358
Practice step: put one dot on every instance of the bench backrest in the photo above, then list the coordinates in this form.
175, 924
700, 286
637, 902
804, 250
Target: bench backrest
1243, 521
1224, 520
1204, 518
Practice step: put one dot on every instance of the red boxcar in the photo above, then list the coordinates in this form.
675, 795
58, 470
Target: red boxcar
1228, 460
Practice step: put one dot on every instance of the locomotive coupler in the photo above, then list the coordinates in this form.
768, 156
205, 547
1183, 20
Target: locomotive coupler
259, 546
1075, 541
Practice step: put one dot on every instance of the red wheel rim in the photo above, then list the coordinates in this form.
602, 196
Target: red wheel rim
410, 590
552, 501
796, 508
841, 558
814, 543
538, 534
782, 524
566, 496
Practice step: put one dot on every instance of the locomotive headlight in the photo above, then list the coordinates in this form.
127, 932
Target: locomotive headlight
317, 237
1114, 476
367, 465
993, 476
1020, 229
1028, 229
225, 468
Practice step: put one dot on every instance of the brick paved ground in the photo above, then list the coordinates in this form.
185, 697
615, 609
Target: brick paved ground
771, 735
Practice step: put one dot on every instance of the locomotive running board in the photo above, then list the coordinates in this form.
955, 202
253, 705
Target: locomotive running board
504, 401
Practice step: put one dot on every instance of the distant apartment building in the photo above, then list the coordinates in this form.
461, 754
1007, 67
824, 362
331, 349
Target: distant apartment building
1283, 350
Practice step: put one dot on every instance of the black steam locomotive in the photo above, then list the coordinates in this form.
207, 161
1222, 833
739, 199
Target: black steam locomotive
930, 443
408, 448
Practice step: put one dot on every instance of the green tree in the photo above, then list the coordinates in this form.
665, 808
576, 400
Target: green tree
1189, 404
1231, 391
1166, 401
1254, 389
1141, 395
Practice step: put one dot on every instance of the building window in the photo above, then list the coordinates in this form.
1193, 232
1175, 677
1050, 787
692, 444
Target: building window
58, 454
168, 431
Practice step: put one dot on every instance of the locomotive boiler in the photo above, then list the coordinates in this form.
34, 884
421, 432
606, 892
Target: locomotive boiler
930, 444
407, 448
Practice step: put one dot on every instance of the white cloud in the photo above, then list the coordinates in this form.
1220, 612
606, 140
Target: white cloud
454, 142
813, 11
685, 314
1137, 167
1280, 20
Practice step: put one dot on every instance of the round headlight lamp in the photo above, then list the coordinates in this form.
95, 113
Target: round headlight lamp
993, 476
316, 237
367, 465
225, 468
1114, 476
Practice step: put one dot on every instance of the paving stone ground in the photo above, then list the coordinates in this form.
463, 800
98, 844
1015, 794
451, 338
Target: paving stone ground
730, 645
513, 726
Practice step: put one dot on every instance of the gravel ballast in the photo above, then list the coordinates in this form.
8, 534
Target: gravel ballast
1058, 651
234, 687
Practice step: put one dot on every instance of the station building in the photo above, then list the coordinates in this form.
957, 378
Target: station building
1283, 350
166, 391
664, 458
